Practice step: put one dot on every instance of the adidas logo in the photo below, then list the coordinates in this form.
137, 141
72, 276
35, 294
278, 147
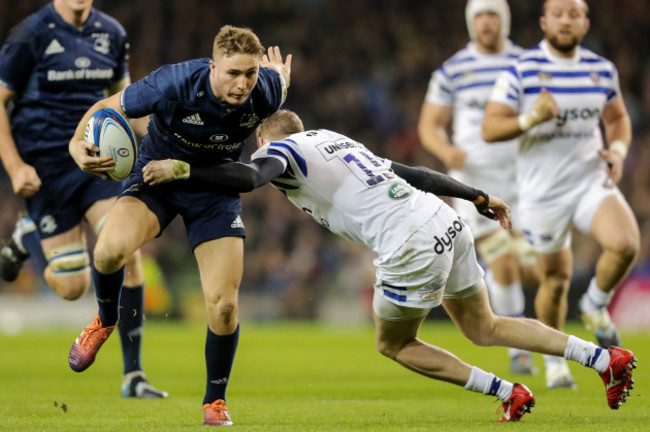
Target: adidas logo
194, 119
237, 223
54, 47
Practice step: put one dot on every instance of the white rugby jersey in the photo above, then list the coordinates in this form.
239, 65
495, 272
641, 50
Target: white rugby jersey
465, 83
349, 190
556, 155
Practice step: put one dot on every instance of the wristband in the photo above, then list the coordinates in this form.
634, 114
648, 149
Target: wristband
619, 147
180, 170
527, 121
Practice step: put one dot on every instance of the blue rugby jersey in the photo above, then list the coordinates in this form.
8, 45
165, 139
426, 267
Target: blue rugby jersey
57, 73
188, 122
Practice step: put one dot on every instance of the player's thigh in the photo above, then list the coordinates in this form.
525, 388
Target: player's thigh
221, 264
391, 335
471, 314
614, 211
128, 226
97, 213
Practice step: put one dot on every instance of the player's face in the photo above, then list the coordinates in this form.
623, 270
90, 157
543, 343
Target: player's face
233, 78
565, 23
487, 26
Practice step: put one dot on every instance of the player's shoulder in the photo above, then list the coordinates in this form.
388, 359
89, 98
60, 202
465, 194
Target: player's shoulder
180, 80
460, 57
185, 68
103, 22
532, 54
513, 50
588, 56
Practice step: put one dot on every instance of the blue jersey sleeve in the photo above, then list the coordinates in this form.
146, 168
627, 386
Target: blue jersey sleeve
17, 57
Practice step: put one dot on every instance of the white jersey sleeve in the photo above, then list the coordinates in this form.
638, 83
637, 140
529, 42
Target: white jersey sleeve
349, 190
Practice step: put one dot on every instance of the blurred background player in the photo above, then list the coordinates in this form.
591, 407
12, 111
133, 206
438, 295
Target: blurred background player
53, 67
424, 254
554, 98
201, 110
457, 94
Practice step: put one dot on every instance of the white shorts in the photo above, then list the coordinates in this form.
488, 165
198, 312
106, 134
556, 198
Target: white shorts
548, 226
500, 184
438, 261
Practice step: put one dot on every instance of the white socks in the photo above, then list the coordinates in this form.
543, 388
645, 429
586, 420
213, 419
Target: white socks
595, 298
506, 300
587, 353
489, 384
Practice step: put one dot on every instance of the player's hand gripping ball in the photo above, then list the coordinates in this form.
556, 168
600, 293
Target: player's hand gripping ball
112, 133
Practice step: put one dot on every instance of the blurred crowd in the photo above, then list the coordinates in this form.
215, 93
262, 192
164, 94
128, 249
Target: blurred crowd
361, 68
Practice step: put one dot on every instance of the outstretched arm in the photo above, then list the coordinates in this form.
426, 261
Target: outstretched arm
236, 176
443, 185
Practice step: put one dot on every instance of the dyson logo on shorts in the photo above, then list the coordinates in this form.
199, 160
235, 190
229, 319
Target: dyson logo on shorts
445, 242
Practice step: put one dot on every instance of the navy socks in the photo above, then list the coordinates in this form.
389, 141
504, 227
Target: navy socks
130, 326
107, 290
32, 244
219, 357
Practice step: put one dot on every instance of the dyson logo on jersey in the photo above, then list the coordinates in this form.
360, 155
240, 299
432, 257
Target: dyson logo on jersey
446, 241
576, 114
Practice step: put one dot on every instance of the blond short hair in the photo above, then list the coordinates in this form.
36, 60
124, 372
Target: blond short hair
280, 125
236, 40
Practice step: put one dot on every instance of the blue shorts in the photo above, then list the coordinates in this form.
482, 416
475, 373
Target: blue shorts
65, 196
208, 213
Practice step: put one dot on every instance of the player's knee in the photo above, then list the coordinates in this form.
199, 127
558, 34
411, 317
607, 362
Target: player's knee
224, 310
68, 271
108, 257
555, 285
71, 292
388, 349
626, 249
482, 333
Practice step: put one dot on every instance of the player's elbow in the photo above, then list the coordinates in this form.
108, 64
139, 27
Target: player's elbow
487, 133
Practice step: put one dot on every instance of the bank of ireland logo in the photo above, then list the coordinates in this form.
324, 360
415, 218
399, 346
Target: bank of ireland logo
399, 191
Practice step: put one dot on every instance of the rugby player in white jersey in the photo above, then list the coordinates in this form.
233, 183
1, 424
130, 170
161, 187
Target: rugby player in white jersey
457, 94
554, 99
425, 253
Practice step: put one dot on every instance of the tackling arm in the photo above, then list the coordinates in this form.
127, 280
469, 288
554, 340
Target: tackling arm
236, 176
441, 184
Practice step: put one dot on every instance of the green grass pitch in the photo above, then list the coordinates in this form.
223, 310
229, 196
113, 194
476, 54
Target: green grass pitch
293, 377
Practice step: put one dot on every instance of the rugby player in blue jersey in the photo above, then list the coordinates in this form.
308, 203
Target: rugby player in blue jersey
554, 99
201, 112
54, 66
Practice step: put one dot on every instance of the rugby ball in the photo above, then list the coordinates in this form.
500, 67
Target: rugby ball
112, 133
